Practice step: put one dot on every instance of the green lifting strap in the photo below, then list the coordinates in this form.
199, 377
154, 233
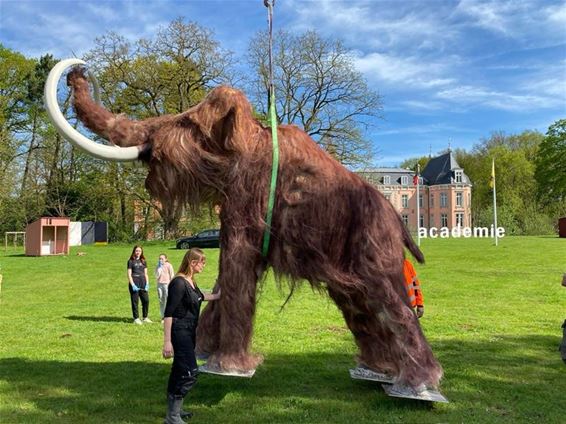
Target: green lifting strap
275, 143
274, 169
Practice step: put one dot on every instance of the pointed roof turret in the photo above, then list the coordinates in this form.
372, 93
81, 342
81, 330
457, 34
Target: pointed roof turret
440, 170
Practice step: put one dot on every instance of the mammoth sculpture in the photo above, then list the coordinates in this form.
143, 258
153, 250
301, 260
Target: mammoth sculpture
329, 226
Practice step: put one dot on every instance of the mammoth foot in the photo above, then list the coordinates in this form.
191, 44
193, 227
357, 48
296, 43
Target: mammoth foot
239, 365
426, 372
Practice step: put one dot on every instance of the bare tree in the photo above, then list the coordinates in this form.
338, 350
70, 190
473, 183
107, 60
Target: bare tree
318, 88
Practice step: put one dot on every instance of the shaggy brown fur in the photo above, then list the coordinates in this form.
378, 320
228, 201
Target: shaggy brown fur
329, 226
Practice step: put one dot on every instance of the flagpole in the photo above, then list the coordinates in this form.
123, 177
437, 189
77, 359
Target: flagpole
418, 207
494, 200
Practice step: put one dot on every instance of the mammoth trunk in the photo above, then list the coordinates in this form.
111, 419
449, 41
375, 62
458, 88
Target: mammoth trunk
118, 129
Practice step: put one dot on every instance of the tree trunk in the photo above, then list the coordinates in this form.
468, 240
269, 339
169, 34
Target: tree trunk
28, 156
171, 214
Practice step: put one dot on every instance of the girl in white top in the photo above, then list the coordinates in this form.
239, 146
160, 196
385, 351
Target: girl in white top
164, 273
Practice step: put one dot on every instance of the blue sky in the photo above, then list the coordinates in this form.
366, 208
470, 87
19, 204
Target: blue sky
448, 71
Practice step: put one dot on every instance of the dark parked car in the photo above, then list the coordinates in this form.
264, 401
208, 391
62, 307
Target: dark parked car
204, 239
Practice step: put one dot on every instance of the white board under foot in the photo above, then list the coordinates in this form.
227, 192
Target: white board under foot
217, 371
411, 393
362, 373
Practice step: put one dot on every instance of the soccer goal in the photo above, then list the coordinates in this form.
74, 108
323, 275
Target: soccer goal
17, 239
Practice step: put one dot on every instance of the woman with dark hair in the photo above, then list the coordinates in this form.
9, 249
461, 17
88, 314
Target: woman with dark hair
179, 340
138, 284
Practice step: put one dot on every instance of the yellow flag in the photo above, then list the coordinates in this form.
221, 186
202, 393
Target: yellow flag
492, 179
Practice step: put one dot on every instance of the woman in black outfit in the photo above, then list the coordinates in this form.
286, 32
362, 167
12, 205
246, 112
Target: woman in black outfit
180, 324
138, 284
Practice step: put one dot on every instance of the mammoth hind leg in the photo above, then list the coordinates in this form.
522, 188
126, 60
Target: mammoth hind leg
387, 333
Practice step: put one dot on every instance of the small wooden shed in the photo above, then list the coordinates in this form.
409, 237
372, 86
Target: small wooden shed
562, 227
48, 236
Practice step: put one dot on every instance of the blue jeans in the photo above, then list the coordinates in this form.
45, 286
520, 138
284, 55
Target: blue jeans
162, 290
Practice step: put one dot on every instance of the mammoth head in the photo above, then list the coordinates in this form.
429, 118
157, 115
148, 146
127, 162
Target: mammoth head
188, 154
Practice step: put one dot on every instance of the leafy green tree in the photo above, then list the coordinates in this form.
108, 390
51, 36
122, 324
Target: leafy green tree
150, 77
551, 164
518, 209
14, 71
411, 163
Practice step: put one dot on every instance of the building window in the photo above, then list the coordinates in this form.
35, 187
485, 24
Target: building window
444, 220
443, 200
405, 201
432, 200
405, 219
420, 200
386, 179
421, 221
404, 180
458, 176
459, 219
459, 199
432, 220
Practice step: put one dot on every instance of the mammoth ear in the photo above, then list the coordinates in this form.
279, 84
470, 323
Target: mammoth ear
224, 117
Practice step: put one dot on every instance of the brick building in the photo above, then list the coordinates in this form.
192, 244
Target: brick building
445, 193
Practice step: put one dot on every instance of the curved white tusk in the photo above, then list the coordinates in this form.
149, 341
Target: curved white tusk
100, 151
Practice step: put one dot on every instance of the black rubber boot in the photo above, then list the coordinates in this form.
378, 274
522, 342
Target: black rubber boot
174, 405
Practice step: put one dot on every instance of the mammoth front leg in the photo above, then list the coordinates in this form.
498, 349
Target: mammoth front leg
226, 325
208, 330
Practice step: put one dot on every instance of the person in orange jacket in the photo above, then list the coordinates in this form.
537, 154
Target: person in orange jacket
413, 288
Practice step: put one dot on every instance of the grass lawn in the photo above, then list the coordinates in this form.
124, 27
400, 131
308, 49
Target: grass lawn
70, 354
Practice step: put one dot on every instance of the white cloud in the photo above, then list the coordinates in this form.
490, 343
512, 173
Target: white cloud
433, 50
419, 106
532, 21
101, 11
477, 96
551, 86
434, 128
64, 31
556, 14
376, 25
410, 72
494, 16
